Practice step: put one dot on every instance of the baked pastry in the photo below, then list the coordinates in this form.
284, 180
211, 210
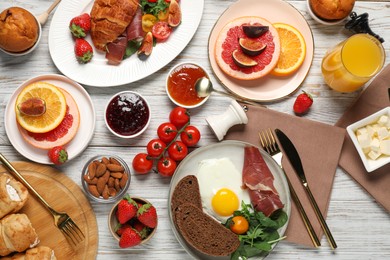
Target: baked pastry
109, 19
332, 9
19, 30
13, 195
36, 253
16, 234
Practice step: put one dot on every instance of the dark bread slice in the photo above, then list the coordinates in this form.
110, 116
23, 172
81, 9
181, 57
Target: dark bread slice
203, 232
186, 191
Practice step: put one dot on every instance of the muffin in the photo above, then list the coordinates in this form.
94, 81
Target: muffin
18, 30
331, 9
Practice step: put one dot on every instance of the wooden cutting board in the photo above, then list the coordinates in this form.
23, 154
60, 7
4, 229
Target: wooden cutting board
63, 195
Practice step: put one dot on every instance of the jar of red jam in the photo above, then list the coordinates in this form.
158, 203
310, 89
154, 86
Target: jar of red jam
180, 85
127, 114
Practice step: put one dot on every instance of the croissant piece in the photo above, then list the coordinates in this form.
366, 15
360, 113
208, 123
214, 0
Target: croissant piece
36, 253
13, 195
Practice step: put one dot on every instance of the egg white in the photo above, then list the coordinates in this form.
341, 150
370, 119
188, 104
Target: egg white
214, 174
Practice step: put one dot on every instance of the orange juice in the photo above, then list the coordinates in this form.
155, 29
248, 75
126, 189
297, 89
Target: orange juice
353, 62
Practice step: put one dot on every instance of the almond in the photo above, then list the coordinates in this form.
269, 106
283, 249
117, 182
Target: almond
105, 160
93, 181
101, 169
114, 161
112, 191
111, 182
123, 181
117, 185
93, 190
115, 168
100, 185
87, 179
92, 170
116, 175
106, 176
105, 193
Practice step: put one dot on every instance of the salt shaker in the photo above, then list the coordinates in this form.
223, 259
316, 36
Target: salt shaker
234, 115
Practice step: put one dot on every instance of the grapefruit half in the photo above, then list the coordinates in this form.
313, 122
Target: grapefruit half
228, 41
60, 135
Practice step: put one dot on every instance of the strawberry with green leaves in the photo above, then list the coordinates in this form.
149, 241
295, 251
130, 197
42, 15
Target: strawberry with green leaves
58, 155
83, 51
129, 238
127, 209
302, 103
80, 25
147, 215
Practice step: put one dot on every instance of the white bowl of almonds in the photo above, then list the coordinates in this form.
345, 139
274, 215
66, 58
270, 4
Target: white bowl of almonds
371, 137
105, 178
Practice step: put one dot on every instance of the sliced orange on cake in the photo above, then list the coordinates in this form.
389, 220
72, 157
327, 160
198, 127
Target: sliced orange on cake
292, 50
55, 107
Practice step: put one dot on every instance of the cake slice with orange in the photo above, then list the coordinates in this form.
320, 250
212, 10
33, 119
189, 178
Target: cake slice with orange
59, 122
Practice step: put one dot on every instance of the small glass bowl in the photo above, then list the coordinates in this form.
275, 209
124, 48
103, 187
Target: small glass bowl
119, 194
113, 222
133, 97
191, 87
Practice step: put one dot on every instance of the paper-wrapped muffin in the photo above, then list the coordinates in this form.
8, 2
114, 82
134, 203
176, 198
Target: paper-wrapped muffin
19, 30
331, 9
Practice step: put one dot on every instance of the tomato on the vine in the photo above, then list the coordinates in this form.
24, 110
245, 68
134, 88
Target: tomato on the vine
177, 151
142, 164
161, 30
147, 21
166, 166
190, 136
155, 147
179, 116
166, 132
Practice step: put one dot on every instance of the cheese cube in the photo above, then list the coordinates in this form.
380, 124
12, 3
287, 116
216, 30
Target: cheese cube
375, 145
370, 130
383, 120
373, 155
382, 133
385, 147
364, 140
361, 131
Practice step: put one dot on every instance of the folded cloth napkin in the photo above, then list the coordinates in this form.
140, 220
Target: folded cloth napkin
319, 147
374, 98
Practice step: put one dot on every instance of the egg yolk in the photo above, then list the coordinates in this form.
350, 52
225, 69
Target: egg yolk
225, 202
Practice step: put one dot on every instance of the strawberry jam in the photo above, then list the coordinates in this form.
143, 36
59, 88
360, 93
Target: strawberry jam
127, 114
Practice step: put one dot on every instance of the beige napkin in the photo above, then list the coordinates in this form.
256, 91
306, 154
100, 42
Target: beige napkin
319, 147
375, 97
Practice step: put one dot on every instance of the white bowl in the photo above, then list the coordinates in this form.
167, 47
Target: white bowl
320, 20
177, 102
369, 164
129, 113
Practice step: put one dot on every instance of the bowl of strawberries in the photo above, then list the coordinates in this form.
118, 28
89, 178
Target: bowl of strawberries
132, 221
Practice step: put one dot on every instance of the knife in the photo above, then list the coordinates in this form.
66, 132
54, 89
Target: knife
291, 153
389, 92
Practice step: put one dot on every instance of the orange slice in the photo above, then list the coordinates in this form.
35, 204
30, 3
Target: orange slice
292, 50
55, 107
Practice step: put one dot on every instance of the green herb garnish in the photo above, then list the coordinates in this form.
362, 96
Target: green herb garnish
153, 8
132, 47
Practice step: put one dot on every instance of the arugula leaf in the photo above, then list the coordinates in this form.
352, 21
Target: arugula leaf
153, 8
132, 47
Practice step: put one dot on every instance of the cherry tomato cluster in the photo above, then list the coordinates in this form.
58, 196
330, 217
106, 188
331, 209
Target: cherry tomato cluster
166, 150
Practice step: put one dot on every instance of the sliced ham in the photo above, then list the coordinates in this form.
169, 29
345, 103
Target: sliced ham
116, 50
134, 30
259, 181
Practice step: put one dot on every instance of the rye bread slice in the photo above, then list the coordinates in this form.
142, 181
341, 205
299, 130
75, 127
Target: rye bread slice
203, 232
186, 191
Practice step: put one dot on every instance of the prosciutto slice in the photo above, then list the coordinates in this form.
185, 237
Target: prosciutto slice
116, 50
259, 181
134, 30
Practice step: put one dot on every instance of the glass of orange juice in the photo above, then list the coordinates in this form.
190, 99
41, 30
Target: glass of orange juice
350, 64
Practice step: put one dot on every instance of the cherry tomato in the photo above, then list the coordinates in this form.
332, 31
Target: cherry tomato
239, 225
163, 15
152, 1
148, 20
155, 147
190, 136
177, 151
142, 164
166, 132
161, 30
166, 166
179, 116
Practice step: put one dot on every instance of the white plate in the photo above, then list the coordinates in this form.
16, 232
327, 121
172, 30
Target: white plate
98, 73
269, 88
84, 133
234, 150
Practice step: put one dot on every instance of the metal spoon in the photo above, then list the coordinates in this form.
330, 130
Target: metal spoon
204, 87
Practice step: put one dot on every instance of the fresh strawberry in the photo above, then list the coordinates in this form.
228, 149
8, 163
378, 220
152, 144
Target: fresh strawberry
127, 209
80, 25
58, 155
83, 51
129, 238
147, 215
141, 228
121, 228
302, 103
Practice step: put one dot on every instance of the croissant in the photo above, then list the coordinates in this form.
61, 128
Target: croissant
13, 195
16, 234
109, 19
36, 253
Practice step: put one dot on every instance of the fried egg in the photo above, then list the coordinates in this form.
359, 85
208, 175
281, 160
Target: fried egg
220, 185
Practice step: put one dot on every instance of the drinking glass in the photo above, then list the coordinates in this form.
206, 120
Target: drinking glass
350, 64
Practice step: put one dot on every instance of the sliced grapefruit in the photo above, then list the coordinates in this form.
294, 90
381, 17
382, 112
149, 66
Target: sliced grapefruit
228, 42
60, 135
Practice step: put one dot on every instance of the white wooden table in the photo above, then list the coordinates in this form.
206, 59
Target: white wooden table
359, 225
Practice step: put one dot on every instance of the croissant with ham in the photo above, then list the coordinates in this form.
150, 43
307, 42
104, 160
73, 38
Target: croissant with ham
109, 19
16, 234
13, 195
36, 253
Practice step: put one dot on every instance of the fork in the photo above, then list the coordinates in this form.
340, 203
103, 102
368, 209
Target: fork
61, 219
269, 144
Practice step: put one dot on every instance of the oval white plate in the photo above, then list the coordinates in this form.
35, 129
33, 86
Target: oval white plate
269, 88
234, 150
84, 133
98, 73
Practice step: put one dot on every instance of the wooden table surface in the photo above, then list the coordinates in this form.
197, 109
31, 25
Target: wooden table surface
360, 226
